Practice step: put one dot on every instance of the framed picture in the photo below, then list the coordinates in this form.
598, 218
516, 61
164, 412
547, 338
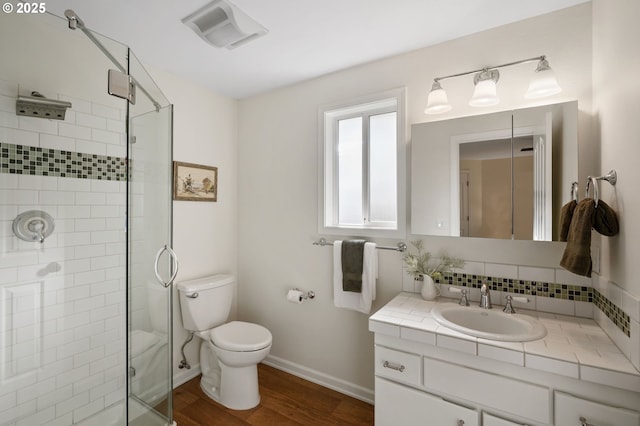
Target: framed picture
193, 182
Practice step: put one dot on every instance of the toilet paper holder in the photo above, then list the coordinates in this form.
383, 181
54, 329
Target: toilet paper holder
308, 295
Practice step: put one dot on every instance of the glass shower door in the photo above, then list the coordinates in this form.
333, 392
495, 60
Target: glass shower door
151, 262
62, 293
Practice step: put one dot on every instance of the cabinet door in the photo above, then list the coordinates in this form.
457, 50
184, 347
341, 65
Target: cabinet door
527, 400
571, 411
400, 405
489, 420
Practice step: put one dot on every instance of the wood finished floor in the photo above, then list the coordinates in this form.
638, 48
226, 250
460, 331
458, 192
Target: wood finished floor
285, 400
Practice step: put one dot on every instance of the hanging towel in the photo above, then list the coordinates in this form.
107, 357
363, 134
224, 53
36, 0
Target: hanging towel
352, 261
605, 220
577, 253
360, 302
566, 213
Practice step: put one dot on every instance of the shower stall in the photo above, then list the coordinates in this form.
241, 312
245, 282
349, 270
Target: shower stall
85, 229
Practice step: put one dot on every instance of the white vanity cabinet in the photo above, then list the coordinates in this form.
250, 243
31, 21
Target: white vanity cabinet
573, 411
399, 405
429, 375
414, 389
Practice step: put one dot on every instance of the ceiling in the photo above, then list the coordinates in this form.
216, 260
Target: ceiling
306, 39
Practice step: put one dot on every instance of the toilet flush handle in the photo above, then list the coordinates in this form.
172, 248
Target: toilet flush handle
192, 295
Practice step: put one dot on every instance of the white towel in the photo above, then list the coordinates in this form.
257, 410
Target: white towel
360, 302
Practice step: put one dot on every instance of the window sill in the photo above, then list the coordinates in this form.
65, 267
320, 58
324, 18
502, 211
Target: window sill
363, 231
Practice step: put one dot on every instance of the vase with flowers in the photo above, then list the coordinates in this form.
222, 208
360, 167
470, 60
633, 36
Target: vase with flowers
424, 267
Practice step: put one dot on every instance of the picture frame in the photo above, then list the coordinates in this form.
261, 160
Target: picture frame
194, 182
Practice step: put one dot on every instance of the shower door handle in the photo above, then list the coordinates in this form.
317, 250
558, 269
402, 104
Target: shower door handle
174, 260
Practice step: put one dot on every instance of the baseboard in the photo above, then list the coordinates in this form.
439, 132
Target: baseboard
338, 385
184, 375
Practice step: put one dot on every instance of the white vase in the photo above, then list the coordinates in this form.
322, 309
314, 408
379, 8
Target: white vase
429, 290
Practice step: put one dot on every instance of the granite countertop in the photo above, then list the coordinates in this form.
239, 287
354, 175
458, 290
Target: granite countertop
573, 347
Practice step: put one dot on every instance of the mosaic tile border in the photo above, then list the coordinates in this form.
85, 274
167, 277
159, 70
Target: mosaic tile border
33, 160
544, 289
613, 312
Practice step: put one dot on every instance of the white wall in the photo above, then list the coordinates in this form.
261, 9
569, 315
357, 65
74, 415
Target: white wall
204, 233
616, 108
277, 186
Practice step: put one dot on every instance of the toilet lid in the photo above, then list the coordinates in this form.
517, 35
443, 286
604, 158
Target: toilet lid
241, 336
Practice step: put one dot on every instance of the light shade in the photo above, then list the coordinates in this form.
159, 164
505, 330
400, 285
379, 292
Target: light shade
437, 102
543, 83
485, 93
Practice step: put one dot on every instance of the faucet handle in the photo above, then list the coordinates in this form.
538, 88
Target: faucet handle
464, 300
507, 307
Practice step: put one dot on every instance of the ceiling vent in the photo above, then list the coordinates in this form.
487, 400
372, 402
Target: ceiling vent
222, 24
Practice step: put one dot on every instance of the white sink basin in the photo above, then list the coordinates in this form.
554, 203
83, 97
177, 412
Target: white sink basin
492, 324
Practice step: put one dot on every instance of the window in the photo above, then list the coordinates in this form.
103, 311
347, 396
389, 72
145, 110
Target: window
362, 166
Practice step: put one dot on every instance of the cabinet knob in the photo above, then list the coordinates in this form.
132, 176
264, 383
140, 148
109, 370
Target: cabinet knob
396, 367
583, 422
460, 423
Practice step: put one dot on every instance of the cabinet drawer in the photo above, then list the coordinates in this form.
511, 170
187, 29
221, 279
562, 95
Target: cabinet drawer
512, 396
571, 411
400, 405
489, 420
400, 366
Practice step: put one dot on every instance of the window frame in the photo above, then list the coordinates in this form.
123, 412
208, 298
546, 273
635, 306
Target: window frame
328, 117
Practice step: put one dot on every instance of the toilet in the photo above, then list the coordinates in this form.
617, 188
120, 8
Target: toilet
230, 351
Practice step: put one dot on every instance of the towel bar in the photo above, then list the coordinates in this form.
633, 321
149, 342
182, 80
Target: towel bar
611, 177
402, 247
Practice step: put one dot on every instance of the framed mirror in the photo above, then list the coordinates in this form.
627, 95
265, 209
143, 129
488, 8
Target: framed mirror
503, 175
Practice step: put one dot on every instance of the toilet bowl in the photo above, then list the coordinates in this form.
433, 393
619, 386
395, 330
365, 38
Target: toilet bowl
237, 347
230, 351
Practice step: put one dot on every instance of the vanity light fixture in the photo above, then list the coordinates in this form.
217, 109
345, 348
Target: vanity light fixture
485, 93
543, 83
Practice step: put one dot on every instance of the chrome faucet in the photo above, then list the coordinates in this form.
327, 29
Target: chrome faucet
485, 297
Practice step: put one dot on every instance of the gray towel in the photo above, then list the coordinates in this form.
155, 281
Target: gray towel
566, 213
577, 254
352, 260
605, 220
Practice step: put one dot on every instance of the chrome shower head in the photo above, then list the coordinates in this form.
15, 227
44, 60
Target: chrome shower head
37, 105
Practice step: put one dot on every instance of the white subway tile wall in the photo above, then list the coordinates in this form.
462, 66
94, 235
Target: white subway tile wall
62, 303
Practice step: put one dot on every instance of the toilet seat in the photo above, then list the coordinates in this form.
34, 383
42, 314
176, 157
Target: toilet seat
239, 336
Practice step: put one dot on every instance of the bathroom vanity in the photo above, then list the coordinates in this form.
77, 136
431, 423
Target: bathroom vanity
429, 374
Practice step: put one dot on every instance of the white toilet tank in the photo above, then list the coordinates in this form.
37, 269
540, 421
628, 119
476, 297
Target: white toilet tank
205, 302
